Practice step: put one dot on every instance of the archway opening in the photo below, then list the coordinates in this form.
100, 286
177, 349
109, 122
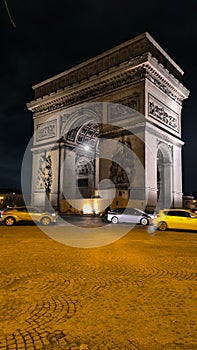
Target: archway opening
81, 144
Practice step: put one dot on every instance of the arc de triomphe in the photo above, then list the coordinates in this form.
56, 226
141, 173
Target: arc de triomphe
131, 94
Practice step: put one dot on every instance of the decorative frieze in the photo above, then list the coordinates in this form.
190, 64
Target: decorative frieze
46, 130
162, 85
118, 111
80, 95
131, 102
109, 83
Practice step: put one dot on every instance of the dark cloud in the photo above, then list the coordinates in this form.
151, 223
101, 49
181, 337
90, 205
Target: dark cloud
52, 36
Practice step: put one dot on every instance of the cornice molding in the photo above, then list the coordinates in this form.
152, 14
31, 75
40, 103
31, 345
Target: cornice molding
159, 71
123, 52
145, 67
86, 91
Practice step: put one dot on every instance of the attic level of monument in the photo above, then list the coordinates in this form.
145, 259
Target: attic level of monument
129, 96
138, 58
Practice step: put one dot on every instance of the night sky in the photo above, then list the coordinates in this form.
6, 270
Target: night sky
52, 36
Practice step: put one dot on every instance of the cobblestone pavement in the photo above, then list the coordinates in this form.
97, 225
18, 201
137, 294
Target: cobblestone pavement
139, 292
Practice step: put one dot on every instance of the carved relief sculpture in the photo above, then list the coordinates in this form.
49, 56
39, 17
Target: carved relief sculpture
45, 173
122, 170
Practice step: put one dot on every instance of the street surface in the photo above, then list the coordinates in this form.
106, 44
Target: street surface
139, 292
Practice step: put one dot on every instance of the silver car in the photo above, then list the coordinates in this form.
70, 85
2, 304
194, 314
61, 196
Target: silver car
128, 215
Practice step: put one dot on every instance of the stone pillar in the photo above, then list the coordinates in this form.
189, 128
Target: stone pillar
68, 175
60, 173
96, 170
150, 170
38, 189
168, 198
177, 176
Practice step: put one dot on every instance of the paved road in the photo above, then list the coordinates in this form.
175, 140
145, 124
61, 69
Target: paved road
139, 292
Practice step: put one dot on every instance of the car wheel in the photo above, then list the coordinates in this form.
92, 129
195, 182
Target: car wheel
114, 220
9, 221
45, 221
162, 226
144, 221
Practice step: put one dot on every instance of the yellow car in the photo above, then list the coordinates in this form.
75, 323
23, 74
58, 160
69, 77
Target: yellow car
175, 219
12, 215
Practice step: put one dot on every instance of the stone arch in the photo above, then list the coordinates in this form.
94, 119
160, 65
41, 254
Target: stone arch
164, 175
78, 118
80, 132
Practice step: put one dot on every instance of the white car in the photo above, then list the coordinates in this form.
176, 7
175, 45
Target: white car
128, 215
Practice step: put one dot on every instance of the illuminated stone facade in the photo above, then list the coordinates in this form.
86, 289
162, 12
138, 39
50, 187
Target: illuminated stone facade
137, 74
